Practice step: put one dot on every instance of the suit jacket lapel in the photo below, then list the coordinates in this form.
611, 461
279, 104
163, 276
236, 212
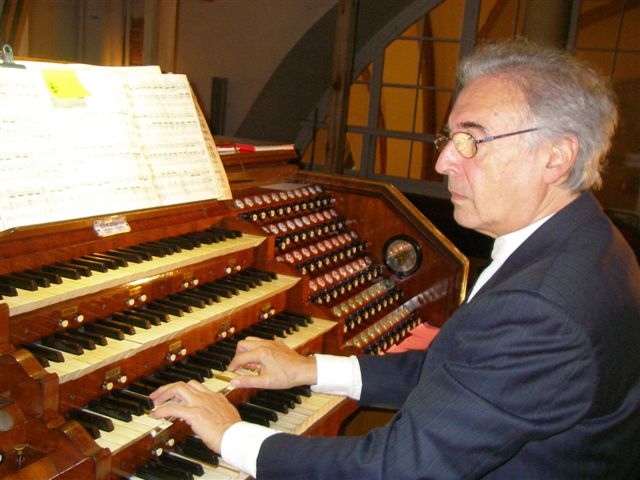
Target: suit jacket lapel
551, 235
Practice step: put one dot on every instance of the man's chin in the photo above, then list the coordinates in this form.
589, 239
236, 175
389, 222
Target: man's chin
463, 218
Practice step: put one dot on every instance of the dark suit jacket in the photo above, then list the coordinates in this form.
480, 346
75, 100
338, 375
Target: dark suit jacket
537, 377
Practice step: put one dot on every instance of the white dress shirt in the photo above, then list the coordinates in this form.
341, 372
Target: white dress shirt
341, 375
242, 441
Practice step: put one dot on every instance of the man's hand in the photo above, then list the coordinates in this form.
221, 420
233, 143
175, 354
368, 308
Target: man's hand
208, 413
278, 366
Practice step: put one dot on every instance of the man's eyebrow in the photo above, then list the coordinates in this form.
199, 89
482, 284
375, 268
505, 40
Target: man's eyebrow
473, 125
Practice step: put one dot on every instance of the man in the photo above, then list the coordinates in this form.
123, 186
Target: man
537, 375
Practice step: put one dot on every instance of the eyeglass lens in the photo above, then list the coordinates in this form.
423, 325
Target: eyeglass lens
465, 144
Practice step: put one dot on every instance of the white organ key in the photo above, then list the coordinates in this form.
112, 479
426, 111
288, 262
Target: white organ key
27, 301
76, 366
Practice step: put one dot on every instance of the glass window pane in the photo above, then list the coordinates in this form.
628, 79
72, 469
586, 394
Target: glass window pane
397, 107
498, 17
392, 156
365, 75
315, 152
627, 67
358, 105
630, 35
601, 61
417, 164
440, 61
598, 24
446, 19
429, 156
401, 62
353, 151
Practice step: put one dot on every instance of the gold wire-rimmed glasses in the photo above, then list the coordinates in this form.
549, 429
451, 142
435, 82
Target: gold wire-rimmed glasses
466, 145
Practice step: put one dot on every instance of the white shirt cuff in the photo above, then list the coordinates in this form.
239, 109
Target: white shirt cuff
241, 444
338, 376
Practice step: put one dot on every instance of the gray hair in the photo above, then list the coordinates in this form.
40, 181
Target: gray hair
564, 95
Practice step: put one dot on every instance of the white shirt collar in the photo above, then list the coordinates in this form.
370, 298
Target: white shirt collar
503, 247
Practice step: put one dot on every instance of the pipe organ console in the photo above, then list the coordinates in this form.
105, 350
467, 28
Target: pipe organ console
90, 325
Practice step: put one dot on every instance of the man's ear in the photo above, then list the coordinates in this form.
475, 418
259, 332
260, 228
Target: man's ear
561, 158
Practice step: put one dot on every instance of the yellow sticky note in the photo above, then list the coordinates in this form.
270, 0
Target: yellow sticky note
64, 84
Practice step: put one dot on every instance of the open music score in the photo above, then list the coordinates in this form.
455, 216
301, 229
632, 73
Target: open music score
99, 140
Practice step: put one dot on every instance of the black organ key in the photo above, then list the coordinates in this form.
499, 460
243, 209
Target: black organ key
201, 370
148, 251
169, 248
303, 390
247, 332
175, 472
44, 352
149, 472
130, 406
287, 326
104, 330
182, 242
8, 290
233, 287
152, 316
130, 255
277, 396
112, 411
301, 320
154, 382
207, 238
83, 341
255, 409
103, 423
141, 399
189, 374
62, 345
201, 454
41, 280
165, 309
91, 429
264, 276
206, 361
219, 353
90, 264
187, 300
123, 327
170, 377
214, 290
225, 233
19, 282
141, 388
203, 297
248, 279
65, 272
174, 302
82, 270
284, 394
256, 280
112, 261
272, 330
134, 321
269, 403
254, 418
181, 463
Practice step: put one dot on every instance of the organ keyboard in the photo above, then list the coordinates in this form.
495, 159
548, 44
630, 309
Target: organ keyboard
301, 261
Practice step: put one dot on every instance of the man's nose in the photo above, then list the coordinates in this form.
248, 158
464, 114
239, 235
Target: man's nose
448, 159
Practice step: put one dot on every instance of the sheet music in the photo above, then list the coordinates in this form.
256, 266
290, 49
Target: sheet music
134, 141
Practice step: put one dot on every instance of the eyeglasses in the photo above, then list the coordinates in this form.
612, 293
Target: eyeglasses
466, 145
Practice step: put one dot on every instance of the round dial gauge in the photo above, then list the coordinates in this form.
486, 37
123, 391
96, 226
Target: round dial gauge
402, 255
